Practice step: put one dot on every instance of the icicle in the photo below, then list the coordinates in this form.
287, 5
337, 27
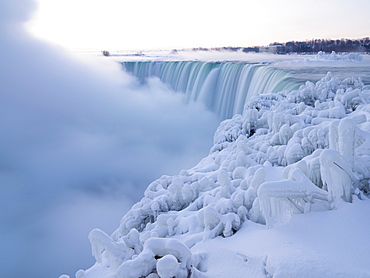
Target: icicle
336, 174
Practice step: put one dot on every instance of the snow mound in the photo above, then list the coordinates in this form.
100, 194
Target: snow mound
289, 153
334, 56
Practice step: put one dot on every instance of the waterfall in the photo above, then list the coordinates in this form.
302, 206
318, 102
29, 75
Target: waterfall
223, 87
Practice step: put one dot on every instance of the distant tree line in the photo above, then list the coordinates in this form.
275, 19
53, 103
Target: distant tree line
327, 45
228, 48
308, 46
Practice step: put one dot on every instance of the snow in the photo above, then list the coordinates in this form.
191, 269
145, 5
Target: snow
282, 193
334, 56
210, 55
319, 244
168, 266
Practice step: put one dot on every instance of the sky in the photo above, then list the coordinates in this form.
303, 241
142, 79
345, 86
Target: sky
80, 142
167, 24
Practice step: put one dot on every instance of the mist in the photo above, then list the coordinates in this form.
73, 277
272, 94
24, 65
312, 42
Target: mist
80, 141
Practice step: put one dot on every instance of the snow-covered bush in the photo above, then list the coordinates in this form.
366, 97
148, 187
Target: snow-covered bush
168, 257
288, 153
281, 199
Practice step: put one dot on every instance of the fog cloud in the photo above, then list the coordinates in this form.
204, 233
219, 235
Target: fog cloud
80, 141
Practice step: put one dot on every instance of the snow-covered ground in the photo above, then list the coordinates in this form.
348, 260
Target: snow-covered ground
282, 193
319, 244
211, 55
224, 55
304, 67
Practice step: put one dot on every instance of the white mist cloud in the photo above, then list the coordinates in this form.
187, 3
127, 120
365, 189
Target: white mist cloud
79, 143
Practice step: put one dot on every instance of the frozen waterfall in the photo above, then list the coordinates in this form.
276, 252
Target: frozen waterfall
224, 87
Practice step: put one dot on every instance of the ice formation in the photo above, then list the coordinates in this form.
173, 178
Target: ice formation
288, 153
335, 56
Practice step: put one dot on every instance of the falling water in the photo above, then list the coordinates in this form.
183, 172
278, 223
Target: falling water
223, 87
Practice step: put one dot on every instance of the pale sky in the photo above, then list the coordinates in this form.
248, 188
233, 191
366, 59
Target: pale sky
167, 24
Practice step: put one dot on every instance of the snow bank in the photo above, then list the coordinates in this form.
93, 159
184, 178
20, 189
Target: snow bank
289, 153
334, 56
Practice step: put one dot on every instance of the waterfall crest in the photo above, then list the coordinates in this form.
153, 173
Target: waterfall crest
223, 87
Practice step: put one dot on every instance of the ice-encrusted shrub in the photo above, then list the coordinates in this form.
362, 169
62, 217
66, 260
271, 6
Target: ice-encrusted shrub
288, 153
280, 199
156, 252
337, 175
112, 253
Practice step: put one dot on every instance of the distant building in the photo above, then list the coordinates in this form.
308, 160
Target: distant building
277, 49
105, 53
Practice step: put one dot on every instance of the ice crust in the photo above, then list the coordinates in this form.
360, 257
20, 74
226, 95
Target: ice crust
335, 56
288, 153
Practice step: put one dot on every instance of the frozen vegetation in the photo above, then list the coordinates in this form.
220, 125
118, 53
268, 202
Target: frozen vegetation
282, 193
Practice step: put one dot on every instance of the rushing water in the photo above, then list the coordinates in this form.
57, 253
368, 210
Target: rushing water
223, 87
